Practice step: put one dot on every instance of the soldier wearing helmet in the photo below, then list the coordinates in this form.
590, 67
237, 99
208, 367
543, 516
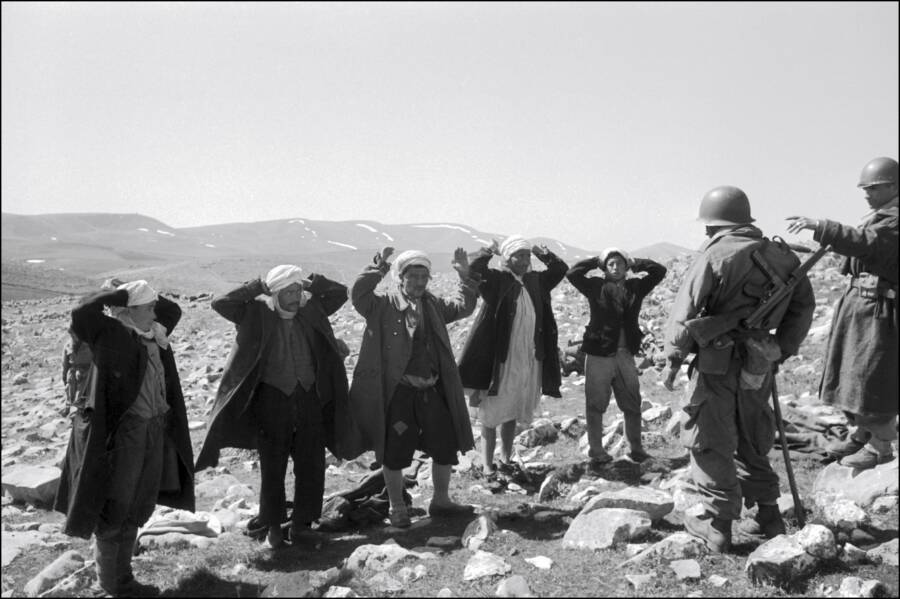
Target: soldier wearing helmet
730, 426
860, 373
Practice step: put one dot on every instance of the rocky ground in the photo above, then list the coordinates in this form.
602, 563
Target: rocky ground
551, 527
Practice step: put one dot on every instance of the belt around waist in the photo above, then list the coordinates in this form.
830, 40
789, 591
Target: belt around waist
871, 291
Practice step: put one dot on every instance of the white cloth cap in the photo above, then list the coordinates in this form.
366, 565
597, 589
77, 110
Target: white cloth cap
139, 292
605, 254
282, 276
409, 258
513, 244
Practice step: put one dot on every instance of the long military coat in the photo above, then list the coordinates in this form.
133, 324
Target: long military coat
860, 373
385, 352
231, 420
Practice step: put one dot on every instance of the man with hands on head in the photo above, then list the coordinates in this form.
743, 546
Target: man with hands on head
511, 353
612, 337
406, 392
283, 391
136, 450
860, 374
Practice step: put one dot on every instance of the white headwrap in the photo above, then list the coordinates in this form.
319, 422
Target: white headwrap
139, 292
282, 276
513, 244
407, 259
605, 254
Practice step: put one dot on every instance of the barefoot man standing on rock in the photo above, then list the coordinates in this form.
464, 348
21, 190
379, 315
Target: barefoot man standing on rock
730, 428
283, 392
860, 375
137, 449
406, 392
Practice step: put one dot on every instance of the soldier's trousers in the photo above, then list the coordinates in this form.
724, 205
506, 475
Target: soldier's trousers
729, 432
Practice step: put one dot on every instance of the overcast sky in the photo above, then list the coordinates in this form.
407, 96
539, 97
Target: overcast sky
597, 124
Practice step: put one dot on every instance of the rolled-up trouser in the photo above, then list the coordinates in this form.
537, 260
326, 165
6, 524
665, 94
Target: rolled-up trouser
136, 460
290, 426
876, 429
729, 433
604, 376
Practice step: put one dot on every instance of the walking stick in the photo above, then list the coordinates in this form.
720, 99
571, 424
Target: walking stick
798, 507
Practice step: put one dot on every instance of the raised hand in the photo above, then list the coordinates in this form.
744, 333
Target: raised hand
798, 223
381, 258
112, 283
461, 263
540, 250
494, 247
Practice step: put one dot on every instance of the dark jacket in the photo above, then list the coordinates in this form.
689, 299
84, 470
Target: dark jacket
488, 343
231, 420
120, 361
386, 350
613, 306
860, 373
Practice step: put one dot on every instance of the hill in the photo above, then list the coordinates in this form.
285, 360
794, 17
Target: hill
52, 254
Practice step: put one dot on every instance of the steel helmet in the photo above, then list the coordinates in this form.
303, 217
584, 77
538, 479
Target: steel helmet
878, 171
725, 205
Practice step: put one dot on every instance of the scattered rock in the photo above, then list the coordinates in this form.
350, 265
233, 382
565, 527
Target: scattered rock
639, 580
685, 569
540, 562
602, 528
34, 485
484, 564
514, 586
779, 561
885, 553
857, 587
655, 503
65, 564
818, 541
478, 531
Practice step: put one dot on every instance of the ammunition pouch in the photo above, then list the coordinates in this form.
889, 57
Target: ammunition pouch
715, 358
758, 355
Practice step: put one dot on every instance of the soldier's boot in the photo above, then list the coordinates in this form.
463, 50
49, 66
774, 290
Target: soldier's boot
767, 523
715, 532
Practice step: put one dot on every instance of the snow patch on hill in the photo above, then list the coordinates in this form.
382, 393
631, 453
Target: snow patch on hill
458, 228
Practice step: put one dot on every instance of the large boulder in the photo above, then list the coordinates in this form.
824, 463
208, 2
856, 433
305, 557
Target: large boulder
862, 488
656, 503
602, 528
31, 484
779, 561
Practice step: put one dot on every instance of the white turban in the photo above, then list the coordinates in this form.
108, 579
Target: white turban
513, 244
605, 255
407, 259
139, 292
282, 276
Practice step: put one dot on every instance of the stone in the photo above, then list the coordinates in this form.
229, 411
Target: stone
818, 541
863, 488
779, 561
605, 527
685, 569
886, 553
34, 485
549, 488
383, 582
542, 432
853, 586
717, 581
215, 488
13, 543
445, 592
484, 564
376, 558
64, 565
290, 584
639, 580
514, 586
656, 414
540, 562
340, 592
844, 514
677, 546
477, 532
655, 503
853, 555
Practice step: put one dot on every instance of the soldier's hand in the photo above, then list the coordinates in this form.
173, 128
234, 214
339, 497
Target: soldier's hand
461, 263
798, 223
